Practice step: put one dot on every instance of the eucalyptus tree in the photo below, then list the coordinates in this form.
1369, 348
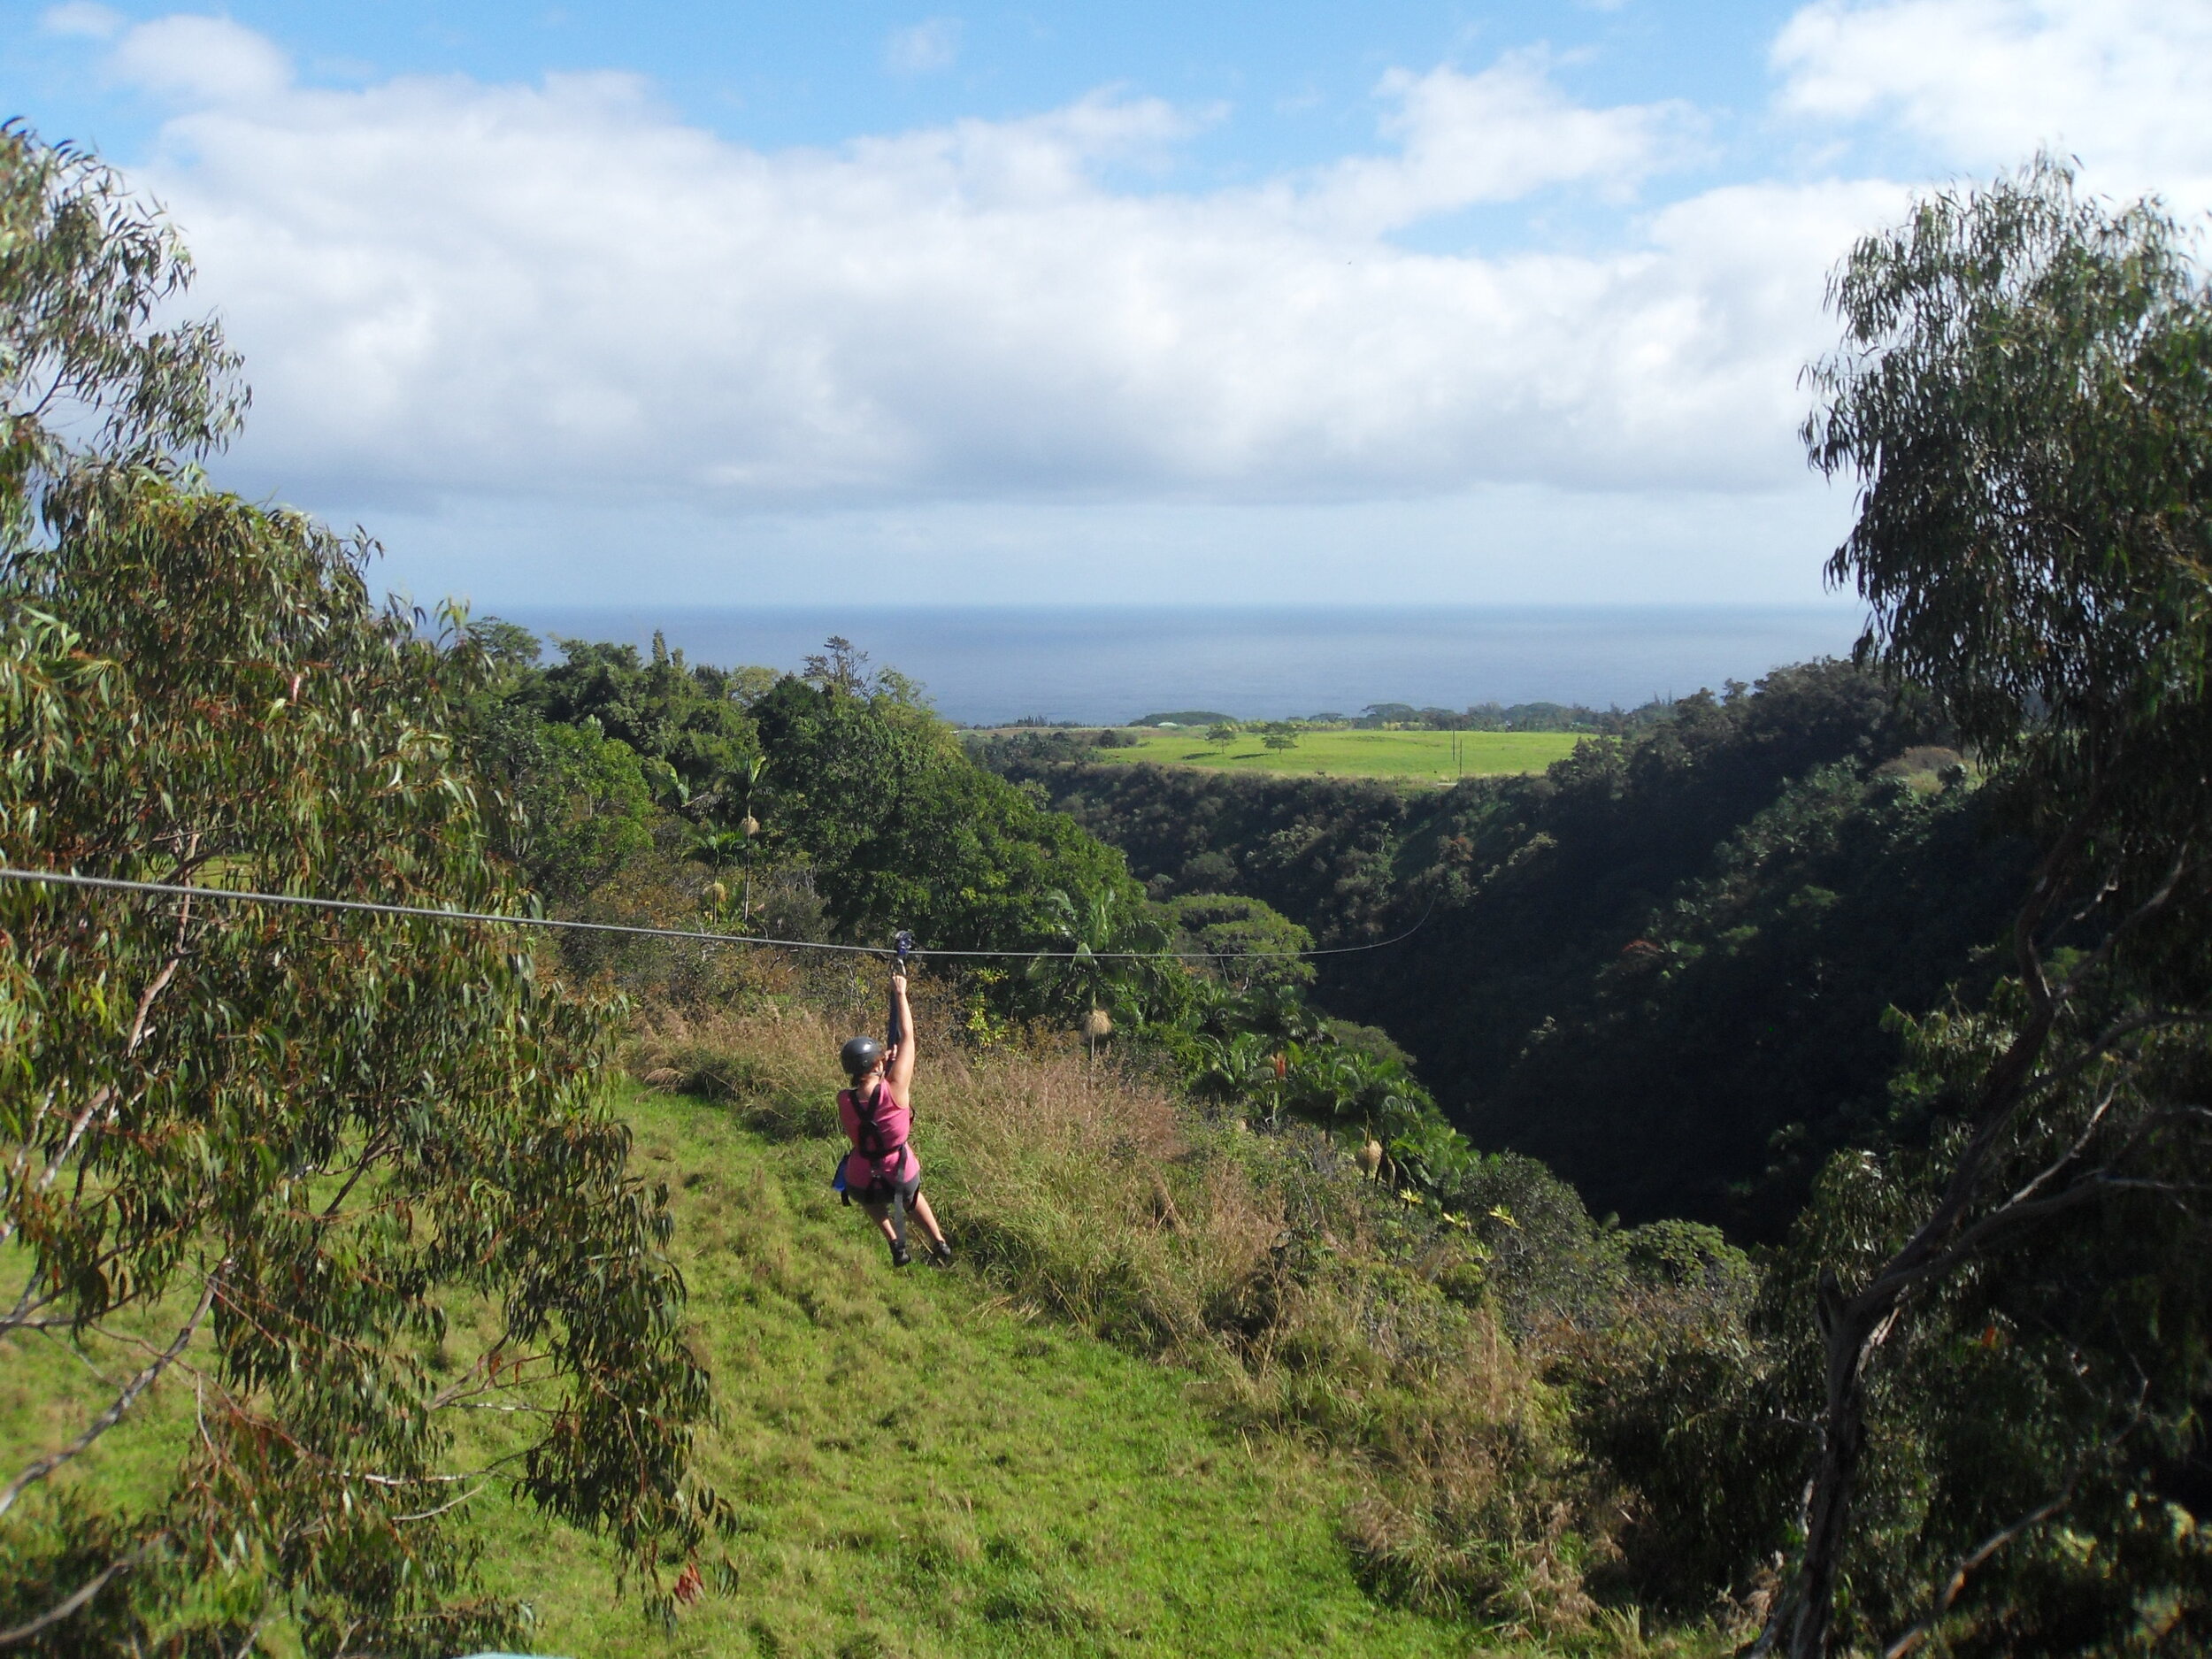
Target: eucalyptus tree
85, 271
312, 1188
2023, 395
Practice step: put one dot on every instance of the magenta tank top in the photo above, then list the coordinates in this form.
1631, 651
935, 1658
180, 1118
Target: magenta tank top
876, 1122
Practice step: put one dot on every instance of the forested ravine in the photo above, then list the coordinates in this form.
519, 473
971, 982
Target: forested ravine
1662, 965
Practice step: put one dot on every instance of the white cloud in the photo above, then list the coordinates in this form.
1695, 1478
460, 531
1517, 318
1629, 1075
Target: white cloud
924, 49
83, 20
2120, 82
1497, 137
200, 60
446, 289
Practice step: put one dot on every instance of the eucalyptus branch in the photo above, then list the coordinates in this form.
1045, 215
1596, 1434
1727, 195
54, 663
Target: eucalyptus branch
182, 1224
161, 981
424, 1515
2004, 1091
2157, 901
369, 1151
13, 1219
368, 1478
486, 1365
253, 1635
1981, 1553
84, 1593
2050, 1170
2110, 1038
38, 1470
77, 1352
1898, 1280
2042, 895
103, 1099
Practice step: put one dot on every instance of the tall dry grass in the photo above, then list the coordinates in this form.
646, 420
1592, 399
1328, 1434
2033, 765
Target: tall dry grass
1311, 1303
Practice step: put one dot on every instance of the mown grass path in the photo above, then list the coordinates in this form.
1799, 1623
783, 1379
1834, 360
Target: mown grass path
1410, 756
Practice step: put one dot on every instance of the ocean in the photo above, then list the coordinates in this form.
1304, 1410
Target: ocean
986, 665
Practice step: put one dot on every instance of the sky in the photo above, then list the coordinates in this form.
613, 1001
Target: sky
1399, 302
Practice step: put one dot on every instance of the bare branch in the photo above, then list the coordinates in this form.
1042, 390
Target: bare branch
44, 1466
83, 1594
424, 1515
26, 1305
2050, 1170
100, 1098
1920, 1632
160, 980
370, 1151
2096, 959
1899, 1279
104, 1097
1981, 1553
2005, 1091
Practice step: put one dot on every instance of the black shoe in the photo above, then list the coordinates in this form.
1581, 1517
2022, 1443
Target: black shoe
940, 1254
900, 1254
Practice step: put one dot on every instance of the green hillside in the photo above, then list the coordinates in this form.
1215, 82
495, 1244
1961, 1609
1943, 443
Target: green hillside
921, 1466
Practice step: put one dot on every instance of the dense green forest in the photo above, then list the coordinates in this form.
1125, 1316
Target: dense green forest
1662, 966
328, 1222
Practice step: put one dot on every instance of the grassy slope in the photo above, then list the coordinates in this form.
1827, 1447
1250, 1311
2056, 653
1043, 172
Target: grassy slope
922, 1470
1414, 756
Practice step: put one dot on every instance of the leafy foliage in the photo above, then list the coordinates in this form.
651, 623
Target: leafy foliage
85, 271
1632, 966
1254, 943
901, 831
268, 1149
689, 719
581, 805
1712, 1064
2022, 393
296, 1134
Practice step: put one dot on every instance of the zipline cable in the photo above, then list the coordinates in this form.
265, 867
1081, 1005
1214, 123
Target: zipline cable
169, 889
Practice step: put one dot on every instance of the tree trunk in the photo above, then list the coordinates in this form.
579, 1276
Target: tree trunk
1851, 1327
1849, 1332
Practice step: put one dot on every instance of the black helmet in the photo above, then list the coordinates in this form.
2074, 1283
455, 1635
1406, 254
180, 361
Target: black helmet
860, 1055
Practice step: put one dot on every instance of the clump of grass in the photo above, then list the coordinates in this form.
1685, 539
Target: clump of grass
1315, 1305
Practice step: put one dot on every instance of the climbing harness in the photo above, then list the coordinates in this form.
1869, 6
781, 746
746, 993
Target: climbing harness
872, 1143
868, 1134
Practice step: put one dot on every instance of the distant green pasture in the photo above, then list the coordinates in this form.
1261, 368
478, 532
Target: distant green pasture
1415, 757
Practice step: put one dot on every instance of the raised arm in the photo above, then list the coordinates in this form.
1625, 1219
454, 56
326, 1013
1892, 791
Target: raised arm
901, 1072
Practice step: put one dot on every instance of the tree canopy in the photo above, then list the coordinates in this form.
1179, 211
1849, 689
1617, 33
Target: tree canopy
351, 1174
2023, 395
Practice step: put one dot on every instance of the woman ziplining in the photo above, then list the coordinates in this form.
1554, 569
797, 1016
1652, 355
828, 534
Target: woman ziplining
881, 1173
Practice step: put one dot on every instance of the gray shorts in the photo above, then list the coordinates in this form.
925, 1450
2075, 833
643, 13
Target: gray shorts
876, 1199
